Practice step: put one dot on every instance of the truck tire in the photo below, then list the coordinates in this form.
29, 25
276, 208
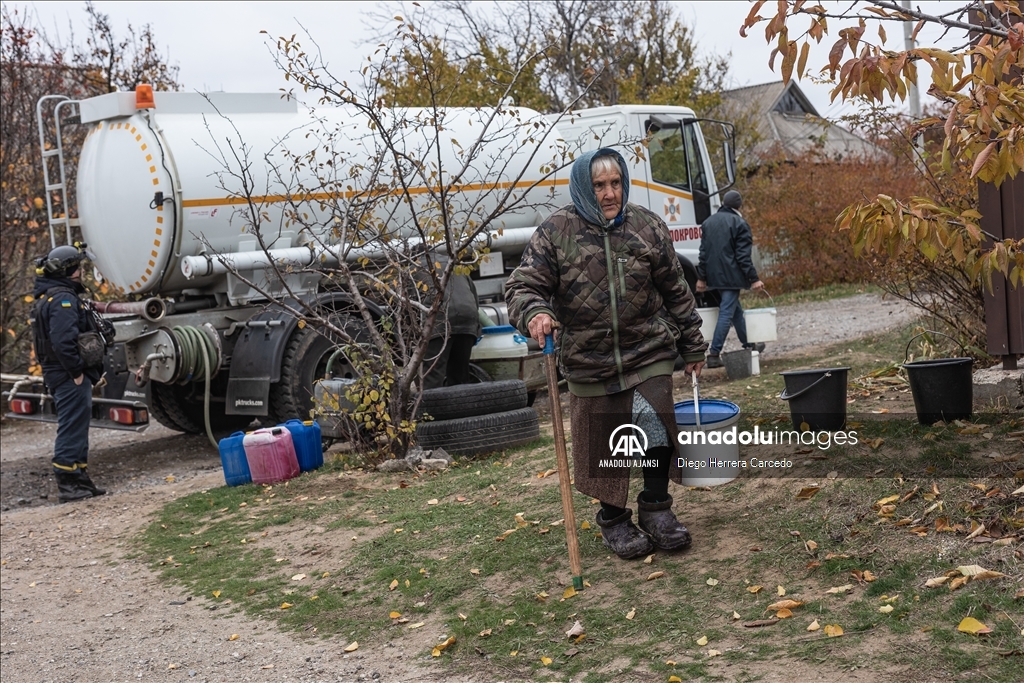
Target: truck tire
470, 400
481, 434
304, 362
180, 408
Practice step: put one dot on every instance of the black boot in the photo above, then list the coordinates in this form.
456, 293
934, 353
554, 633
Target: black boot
86, 482
622, 536
714, 361
70, 488
658, 520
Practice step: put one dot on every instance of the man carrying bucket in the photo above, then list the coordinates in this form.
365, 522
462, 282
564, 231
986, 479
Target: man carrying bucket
606, 271
725, 264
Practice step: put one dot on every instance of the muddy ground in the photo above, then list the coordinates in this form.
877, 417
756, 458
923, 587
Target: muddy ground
75, 605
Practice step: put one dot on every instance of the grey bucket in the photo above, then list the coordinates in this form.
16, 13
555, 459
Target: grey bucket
737, 363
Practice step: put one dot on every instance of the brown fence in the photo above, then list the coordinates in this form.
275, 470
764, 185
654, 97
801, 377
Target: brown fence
1002, 210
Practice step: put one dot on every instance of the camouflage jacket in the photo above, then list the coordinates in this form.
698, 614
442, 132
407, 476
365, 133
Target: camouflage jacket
619, 296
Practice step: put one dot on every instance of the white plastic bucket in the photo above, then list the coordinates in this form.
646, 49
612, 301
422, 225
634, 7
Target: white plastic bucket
703, 463
760, 325
499, 341
709, 319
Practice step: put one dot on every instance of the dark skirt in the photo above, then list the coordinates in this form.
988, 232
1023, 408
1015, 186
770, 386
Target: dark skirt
594, 419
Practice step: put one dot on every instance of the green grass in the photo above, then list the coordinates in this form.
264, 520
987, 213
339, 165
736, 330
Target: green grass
752, 532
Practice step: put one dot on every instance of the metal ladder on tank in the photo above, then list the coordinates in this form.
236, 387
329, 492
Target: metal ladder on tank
51, 124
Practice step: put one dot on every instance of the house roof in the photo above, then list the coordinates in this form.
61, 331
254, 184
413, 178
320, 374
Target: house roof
783, 116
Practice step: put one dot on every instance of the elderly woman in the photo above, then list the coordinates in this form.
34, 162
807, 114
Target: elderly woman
604, 272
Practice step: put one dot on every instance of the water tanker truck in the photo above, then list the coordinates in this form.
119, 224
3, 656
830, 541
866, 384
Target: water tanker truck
165, 180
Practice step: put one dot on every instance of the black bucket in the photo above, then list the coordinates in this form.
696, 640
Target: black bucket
817, 398
943, 388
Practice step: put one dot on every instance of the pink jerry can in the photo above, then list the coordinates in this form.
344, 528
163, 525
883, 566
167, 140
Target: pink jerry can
271, 455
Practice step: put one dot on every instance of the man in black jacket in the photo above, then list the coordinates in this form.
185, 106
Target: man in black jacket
725, 264
60, 317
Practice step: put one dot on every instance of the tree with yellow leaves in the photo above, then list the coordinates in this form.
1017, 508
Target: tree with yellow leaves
982, 83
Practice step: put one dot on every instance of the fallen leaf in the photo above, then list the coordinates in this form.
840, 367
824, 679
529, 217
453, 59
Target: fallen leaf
649, 559
568, 593
988, 574
655, 575
172, 666
630, 614
418, 624
462, 616
712, 582
393, 585
546, 660
352, 647
394, 615
216, 594
807, 492
702, 641
972, 626
838, 590
542, 596
485, 633
513, 653
474, 572
286, 605
833, 630
407, 584
784, 614
713, 653
267, 666
233, 636
585, 525
670, 662
298, 577
438, 649
674, 679
784, 604
885, 609
958, 582
811, 546
576, 630
936, 582
545, 473
433, 501
780, 590
813, 626
754, 589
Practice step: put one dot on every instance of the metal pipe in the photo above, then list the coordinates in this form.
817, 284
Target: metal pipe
205, 265
152, 309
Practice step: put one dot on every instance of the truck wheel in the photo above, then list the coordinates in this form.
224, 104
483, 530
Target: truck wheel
304, 362
470, 400
180, 408
481, 434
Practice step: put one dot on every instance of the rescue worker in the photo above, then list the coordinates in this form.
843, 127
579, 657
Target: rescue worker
606, 272
60, 317
725, 264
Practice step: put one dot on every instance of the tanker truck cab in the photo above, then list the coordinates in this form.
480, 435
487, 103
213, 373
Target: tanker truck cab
202, 317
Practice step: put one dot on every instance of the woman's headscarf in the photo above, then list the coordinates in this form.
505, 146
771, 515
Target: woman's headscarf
581, 188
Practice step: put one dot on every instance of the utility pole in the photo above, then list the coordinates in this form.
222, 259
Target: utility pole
908, 32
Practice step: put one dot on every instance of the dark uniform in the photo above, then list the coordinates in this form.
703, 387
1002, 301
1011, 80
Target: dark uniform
60, 317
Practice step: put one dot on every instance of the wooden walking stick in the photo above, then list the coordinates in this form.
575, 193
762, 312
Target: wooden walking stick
563, 464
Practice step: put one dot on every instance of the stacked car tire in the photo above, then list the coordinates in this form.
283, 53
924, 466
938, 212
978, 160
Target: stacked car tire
473, 419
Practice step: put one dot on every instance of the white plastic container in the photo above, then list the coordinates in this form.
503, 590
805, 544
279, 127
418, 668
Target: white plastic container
760, 325
499, 341
709, 319
703, 463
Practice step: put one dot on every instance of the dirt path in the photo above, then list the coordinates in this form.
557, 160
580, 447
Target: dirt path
75, 606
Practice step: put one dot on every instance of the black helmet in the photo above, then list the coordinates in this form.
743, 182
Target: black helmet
62, 261
733, 199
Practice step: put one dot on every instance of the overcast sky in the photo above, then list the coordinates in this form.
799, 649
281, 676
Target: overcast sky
218, 45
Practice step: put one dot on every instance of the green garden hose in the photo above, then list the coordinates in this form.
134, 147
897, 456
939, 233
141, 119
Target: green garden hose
197, 355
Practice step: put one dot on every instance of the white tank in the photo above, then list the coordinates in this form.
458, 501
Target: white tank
192, 149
